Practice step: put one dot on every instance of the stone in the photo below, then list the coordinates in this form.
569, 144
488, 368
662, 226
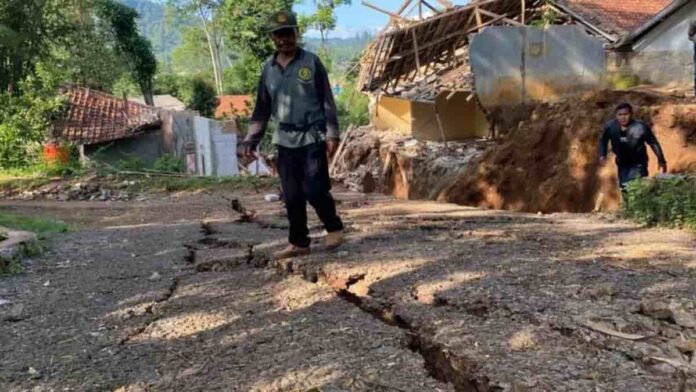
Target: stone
682, 313
16, 313
33, 373
686, 346
368, 183
154, 277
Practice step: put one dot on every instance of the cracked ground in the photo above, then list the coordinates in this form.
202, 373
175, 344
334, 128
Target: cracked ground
180, 294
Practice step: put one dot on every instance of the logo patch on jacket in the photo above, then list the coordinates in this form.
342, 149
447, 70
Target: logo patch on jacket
304, 74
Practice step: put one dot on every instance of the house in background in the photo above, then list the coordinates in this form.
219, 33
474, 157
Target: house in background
646, 40
233, 106
164, 101
113, 129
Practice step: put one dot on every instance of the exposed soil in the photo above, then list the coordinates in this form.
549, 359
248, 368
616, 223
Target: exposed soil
549, 163
179, 294
547, 159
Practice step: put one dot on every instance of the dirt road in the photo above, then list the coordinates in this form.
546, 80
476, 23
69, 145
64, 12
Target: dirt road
177, 295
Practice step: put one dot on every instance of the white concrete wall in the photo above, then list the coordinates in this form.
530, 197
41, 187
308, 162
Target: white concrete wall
531, 64
204, 151
224, 151
670, 35
216, 150
664, 57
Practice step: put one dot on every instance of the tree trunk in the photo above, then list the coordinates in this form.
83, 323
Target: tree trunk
214, 51
147, 91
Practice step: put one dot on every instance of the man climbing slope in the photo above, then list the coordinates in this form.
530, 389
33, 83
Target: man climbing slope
294, 90
628, 138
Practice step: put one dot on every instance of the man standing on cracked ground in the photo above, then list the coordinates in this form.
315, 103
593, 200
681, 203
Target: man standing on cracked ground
294, 89
628, 138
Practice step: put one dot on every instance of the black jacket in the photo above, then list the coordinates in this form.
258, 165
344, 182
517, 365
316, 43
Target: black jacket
629, 145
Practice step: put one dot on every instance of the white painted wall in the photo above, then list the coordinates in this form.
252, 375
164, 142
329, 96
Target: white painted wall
224, 151
204, 151
216, 150
670, 35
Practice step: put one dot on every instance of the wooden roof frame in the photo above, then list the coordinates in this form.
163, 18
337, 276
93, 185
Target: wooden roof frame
408, 50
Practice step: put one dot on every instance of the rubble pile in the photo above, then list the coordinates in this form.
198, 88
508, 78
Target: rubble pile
545, 161
86, 190
395, 163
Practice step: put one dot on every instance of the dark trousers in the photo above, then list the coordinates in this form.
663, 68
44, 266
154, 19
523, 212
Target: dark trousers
304, 173
694, 68
628, 173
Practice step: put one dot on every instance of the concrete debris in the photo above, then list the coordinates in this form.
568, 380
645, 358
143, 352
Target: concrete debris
4, 302
272, 198
79, 191
392, 163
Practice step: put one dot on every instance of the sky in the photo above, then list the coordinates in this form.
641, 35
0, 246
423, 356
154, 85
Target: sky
357, 17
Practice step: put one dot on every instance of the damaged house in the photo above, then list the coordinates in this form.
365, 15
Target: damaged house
646, 40
113, 129
436, 77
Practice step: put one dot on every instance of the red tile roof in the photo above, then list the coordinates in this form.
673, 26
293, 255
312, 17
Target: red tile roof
96, 117
233, 105
616, 17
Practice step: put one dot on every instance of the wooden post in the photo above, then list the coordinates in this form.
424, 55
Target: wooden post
524, 10
415, 50
439, 123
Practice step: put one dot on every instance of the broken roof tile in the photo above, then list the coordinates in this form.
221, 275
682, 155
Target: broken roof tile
95, 117
617, 18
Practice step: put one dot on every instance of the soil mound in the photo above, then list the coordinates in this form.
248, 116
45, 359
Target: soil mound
548, 162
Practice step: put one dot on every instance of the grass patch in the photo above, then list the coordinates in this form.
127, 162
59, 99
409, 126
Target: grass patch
10, 267
13, 266
41, 226
669, 203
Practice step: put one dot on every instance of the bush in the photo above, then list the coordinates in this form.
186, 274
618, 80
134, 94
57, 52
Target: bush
202, 98
169, 163
131, 164
352, 106
670, 202
24, 123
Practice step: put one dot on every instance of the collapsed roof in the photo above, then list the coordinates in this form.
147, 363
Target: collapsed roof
95, 117
418, 60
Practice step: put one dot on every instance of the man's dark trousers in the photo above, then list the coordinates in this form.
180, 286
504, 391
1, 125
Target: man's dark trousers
628, 173
304, 173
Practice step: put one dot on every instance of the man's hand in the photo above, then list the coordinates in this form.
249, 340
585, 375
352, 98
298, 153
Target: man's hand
249, 151
331, 147
602, 161
663, 167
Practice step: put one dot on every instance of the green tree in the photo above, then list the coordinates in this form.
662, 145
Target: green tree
120, 21
242, 77
28, 28
245, 22
324, 18
192, 56
202, 97
208, 12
